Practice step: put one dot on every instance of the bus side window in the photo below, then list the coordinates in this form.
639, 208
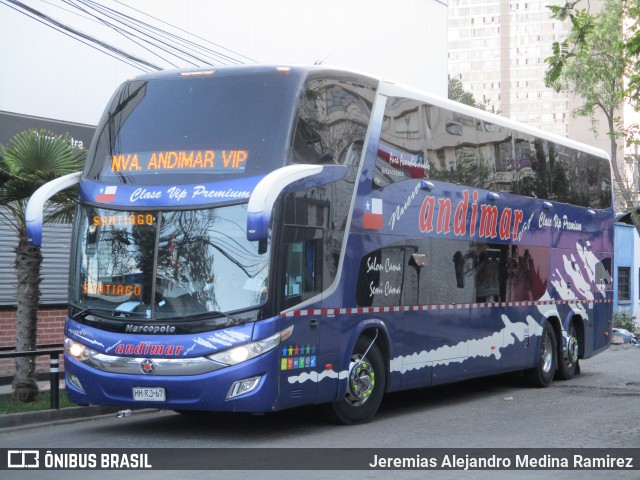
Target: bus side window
303, 271
306, 144
381, 278
294, 270
401, 153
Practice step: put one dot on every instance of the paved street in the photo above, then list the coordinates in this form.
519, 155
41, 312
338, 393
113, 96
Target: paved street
597, 409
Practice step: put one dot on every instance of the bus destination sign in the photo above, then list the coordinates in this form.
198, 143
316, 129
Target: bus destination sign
216, 161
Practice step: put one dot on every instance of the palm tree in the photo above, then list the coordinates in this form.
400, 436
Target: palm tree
32, 159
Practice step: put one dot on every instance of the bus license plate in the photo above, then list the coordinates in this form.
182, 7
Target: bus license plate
149, 394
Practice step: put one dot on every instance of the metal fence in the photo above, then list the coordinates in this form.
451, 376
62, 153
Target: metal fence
54, 352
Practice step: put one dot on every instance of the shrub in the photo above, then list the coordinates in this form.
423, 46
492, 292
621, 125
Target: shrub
622, 320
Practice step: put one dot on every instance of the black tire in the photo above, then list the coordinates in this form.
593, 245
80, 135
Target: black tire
568, 357
366, 385
542, 374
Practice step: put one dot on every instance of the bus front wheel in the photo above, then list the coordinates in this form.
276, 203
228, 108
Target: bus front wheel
366, 383
542, 374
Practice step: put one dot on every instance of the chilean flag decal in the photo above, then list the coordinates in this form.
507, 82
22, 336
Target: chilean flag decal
108, 196
373, 214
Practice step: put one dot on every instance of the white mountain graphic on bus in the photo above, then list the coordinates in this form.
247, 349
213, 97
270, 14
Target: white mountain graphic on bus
580, 279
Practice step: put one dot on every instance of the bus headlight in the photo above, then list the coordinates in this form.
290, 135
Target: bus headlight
245, 352
77, 350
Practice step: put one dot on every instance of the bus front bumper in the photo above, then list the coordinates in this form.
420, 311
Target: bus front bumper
247, 387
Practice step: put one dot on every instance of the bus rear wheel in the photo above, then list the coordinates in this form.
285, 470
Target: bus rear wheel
542, 374
366, 383
568, 356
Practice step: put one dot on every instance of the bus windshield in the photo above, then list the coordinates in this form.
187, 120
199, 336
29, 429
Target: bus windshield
160, 265
204, 128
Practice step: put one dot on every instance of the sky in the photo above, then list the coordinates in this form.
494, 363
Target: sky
48, 74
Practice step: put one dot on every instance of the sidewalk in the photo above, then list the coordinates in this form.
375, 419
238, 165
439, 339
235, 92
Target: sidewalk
17, 420
43, 386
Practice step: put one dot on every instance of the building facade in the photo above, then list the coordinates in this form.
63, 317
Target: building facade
55, 252
497, 49
626, 278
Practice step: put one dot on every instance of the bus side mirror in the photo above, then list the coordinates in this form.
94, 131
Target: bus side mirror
35, 206
269, 188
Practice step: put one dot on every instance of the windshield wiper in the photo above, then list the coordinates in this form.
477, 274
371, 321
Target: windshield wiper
88, 311
105, 312
230, 317
204, 315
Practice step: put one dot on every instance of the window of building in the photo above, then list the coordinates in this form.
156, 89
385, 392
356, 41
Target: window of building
624, 283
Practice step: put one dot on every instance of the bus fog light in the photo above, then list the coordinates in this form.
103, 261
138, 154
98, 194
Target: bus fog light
75, 381
243, 386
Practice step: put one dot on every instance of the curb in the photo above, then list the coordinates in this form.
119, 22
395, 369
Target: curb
14, 420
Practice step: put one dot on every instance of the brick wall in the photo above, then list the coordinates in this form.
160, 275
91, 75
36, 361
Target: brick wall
50, 330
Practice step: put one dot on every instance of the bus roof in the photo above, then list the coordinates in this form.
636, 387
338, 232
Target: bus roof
391, 89
251, 69
385, 87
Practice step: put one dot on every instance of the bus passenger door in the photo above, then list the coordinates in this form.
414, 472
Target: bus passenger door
301, 271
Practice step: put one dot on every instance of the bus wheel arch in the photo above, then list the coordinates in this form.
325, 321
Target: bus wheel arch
570, 348
381, 338
547, 360
366, 380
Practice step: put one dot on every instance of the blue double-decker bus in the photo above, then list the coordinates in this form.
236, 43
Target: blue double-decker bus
252, 239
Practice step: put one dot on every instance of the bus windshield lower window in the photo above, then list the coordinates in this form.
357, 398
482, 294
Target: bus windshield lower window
170, 264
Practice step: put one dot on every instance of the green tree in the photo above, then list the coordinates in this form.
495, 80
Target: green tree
632, 52
591, 63
457, 93
32, 159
